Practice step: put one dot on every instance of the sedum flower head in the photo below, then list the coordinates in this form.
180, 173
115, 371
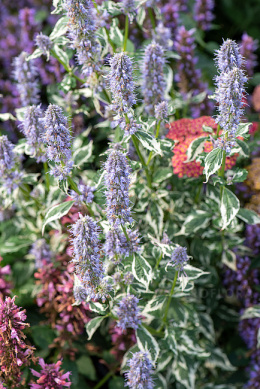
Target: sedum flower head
140, 370
128, 313
203, 13
86, 254
50, 376
179, 258
33, 129
121, 83
6, 155
161, 111
86, 195
25, 73
117, 246
14, 352
154, 84
41, 251
117, 181
58, 140
228, 56
44, 43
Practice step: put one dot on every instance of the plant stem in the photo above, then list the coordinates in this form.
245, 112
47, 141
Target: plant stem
150, 12
158, 262
109, 40
125, 232
218, 129
158, 125
152, 330
222, 169
104, 379
47, 177
135, 142
126, 32
170, 297
74, 187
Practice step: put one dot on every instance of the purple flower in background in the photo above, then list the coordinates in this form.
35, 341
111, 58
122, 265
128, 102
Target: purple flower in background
7, 158
171, 13
189, 78
50, 376
5, 285
117, 246
80, 293
82, 33
44, 43
253, 238
33, 129
140, 371
248, 46
12, 181
162, 36
129, 8
25, 73
228, 56
117, 181
128, 313
179, 258
86, 195
58, 140
40, 250
86, 255
128, 278
154, 84
161, 111
203, 13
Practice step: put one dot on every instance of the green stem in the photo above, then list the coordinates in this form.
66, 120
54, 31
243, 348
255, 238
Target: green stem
75, 188
68, 69
150, 12
126, 32
222, 169
110, 41
158, 262
47, 177
218, 129
135, 142
170, 297
95, 5
152, 330
125, 232
158, 125
104, 379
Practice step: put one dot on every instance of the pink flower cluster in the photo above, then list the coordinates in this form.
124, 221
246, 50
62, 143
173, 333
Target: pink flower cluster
5, 286
185, 131
121, 340
50, 376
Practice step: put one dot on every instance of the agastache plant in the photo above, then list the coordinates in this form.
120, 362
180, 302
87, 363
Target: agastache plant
203, 13
25, 74
44, 44
140, 371
11, 178
117, 245
58, 141
86, 195
129, 8
128, 313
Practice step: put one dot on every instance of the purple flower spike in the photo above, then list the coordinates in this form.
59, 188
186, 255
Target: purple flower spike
128, 313
203, 13
58, 140
179, 258
25, 73
40, 250
140, 370
86, 196
44, 43
228, 56
117, 181
161, 111
248, 46
6, 155
129, 8
154, 84
50, 376
117, 246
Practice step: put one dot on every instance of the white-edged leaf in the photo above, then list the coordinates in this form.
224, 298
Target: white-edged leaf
148, 141
229, 259
142, 270
62, 55
60, 28
160, 382
170, 336
195, 148
242, 148
213, 162
57, 212
58, 8
248, 216
83, 154
97, 307
93, 325
195, 222
7, 116
184, 372
218, 359
229, 207
36, 54
194, 273
251, 313
243, 129
146, 342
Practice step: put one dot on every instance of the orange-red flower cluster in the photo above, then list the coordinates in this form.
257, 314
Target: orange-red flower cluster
185, 131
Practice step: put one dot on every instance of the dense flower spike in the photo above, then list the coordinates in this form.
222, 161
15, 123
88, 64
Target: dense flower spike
25, 73
86, 195
58, 140
128, 313
188, 77
129, 8
117, 181
162, 36
33, 129
154, 85
248, 46
203, 13
41, 251
44, 43
128, 278
121, 83
5, 285
139, 375
179, 258
50, 376
6, 155
14, 352
171, 13
86, 254
228, 56
82, 32
161, 111
117, 246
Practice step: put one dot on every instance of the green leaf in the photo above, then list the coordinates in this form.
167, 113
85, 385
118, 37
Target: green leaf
162, 174
86, 367
251, 313
142, 270
93, 325
240, 175
218, 359
248, 216
160, 382
97, 307
7, 116
83, 154
195, 222
58, 7
140, 16
243, 129
116, 383
229, 207
57, 212
146, 342
42, 336
148, 141
62, 55
241, 148
60, 28
36, 54
229, 259
195, 148
184, 371
213, 162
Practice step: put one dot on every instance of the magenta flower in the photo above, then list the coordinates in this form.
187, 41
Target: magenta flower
4, 285
50, 376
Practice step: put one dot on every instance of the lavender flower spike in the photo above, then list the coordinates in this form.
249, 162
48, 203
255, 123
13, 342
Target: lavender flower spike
117, 246
161, 111
248, 46
154, 84
179, 258
25, 73
58, 140
128, 313
203, 13
40, 250
86, 255
33, 129
117, 181
44, 44
139, 374
6, 155
129, 8
228, 56
86, 194
162, 36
